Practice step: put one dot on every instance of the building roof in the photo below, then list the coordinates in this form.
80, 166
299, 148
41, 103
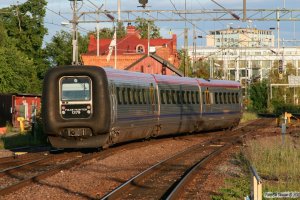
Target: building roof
130, 43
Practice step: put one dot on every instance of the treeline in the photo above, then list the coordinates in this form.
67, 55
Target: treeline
23, 59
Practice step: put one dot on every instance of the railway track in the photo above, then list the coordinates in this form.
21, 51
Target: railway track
167, 179
20, 171
16, 177
34, 168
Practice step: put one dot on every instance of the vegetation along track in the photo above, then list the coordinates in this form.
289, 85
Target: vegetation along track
166, 179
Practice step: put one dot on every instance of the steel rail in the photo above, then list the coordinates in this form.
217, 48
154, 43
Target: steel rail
22, 165
117, 192
39, 177
190, 174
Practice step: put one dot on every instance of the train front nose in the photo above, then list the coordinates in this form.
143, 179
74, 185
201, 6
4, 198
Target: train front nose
76, 107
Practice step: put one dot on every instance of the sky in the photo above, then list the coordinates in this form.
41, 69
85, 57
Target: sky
59, 11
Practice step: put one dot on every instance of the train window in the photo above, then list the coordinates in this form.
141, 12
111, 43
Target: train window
225, 97
197, 97
129, 95
119, 95
76, 88
237, 97
174, 99
188, 99
203, 97
216, 98
178, 97
183, 97
162, 99
229, 98
124, 96
193, 97
139, 96
144, 96
135, 96
232, 97
220, 98
168, 97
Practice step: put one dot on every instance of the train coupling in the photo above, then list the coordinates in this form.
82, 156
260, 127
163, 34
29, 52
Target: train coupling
76, 132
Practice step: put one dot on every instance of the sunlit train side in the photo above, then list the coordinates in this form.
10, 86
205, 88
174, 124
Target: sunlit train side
88, 106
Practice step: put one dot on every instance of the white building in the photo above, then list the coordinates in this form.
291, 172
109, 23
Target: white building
243, 56
239, 63
240, 37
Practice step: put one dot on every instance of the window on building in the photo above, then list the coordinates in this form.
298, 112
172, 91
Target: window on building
140, 48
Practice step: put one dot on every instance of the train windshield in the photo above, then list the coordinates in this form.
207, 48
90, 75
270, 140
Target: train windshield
75, 89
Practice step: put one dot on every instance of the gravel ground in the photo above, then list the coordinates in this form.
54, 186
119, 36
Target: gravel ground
95, 178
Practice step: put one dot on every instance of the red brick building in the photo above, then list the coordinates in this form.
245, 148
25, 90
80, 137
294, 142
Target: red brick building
132, 53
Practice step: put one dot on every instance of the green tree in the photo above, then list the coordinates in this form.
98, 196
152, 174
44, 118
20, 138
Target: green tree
59, 50
107, 33
201, 69
182, 55
25, 24
17, 71
259, 96
142, 25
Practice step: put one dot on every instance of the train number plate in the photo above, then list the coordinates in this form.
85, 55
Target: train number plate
76, 111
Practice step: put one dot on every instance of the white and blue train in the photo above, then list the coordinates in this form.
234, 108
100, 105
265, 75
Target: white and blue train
89, 106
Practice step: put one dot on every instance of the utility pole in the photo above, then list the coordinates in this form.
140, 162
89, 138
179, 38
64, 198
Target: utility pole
244, 11
74, 22
148, 36
194, 49
185, 51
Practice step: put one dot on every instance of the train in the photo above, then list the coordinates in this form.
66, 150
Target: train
94, 107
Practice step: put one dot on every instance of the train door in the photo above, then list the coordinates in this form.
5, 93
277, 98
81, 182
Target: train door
153, 105
113, 101
153, 110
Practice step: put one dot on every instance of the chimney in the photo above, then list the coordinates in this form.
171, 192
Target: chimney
174, 38
130, 29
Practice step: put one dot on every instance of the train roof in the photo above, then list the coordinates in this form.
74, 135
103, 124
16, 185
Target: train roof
167, 79
128, 75
218, 83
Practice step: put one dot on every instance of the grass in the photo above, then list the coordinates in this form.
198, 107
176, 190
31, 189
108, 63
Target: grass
277, 163
9, 141
236, 185
247, 116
